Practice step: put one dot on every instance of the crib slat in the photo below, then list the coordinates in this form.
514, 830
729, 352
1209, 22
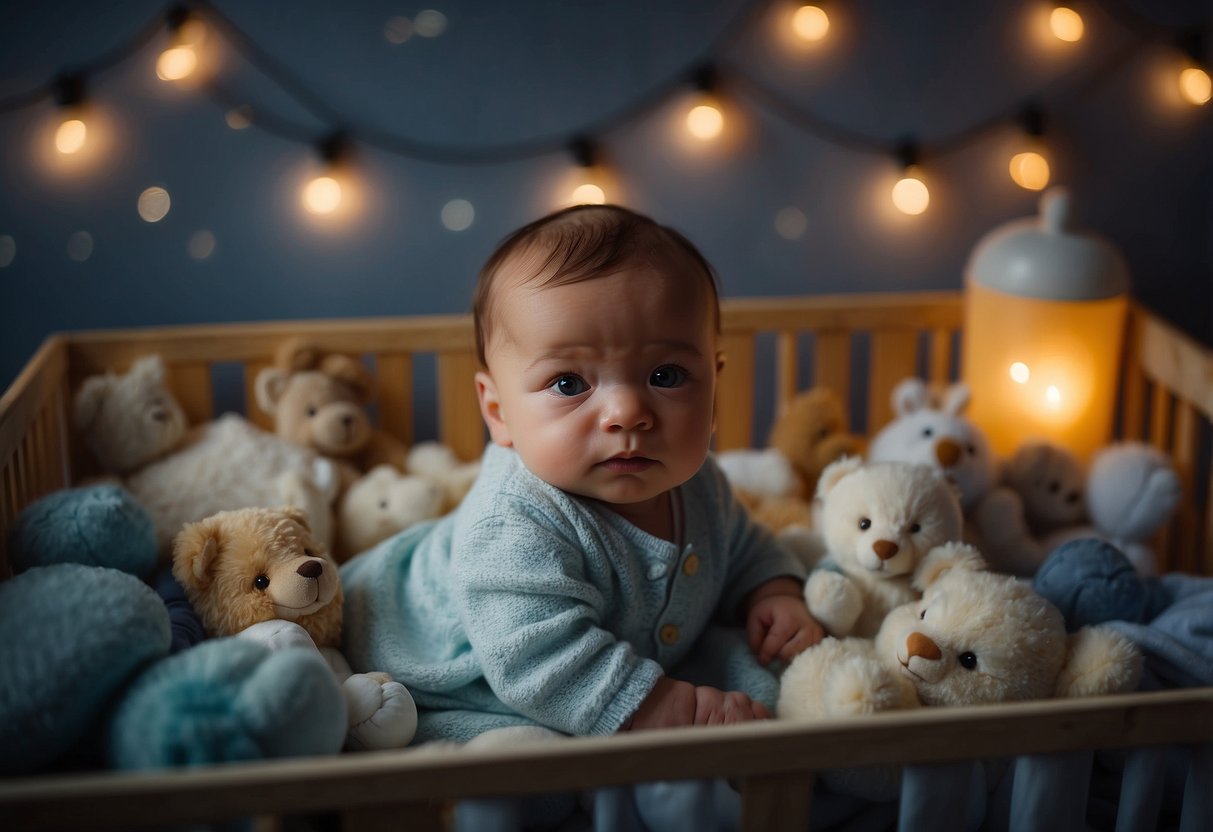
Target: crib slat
894, 356
394, 394
190, 383
1184, 556
940, 357
1133, 391
776, 803
460, 425
252, 411
735, 393
832, 364
1160, 427
787, 368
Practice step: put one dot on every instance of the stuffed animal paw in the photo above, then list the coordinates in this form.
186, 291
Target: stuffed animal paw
382, 713
834, 600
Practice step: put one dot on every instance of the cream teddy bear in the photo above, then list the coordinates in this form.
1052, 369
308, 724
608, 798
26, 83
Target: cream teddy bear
974, 637
381, 503
130, 419
258, 573
877, 521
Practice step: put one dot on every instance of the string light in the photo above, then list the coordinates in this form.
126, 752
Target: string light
1030, 167
1194, 83
810, 23
910, 194
322, 194
588, 189
1066, 24
72, 133
179, 60
704, 120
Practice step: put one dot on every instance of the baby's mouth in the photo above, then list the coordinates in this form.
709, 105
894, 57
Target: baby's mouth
628, 464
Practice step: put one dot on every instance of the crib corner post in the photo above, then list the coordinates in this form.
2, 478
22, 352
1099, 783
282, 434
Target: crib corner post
776, 802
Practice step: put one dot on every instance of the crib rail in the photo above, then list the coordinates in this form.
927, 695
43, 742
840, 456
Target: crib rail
773, 763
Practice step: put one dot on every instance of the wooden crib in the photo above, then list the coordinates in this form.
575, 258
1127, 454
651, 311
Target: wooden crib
859, 345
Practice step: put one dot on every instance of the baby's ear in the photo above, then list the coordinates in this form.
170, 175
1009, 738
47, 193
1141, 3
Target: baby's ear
490, 410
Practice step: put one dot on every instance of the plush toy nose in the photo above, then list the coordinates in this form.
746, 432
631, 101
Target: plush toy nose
1073, 497
947, 452
311, 569
884, 549
919, 645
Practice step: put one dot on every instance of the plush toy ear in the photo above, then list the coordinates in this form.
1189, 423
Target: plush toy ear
296, 354
148, 369
910, 395
298, 515
956, 398
351, 371
1099, 660
195, 550
944, 558
834, 473
270, 385
89, 398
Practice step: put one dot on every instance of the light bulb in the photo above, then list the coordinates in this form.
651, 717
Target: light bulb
1066, 24
70, 136
910, 194
1020, 373
322, 195
1195, 85
176, 62
810, 23
587, 193
1030, 170
705, 121
1053, 396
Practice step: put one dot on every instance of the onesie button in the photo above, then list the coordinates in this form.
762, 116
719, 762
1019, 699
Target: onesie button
691, 565
656, 571
669, 635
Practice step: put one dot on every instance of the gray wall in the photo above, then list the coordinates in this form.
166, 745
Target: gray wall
1140, 167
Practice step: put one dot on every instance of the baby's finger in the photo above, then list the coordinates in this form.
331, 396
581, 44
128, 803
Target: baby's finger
755, 630
774, 642
760, 710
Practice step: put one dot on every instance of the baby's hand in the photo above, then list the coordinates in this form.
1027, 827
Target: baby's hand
781, 626
672, 703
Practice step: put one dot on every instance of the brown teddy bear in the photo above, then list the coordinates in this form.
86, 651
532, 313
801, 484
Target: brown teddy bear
777, 484
319, 400
257, 573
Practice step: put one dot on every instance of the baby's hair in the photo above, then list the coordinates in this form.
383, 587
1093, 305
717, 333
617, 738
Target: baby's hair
585, 242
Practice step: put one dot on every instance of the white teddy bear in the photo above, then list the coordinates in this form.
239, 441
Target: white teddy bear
975, 637
127, 420
381, 503
877, 521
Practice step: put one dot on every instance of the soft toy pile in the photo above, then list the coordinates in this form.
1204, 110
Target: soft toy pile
975, 637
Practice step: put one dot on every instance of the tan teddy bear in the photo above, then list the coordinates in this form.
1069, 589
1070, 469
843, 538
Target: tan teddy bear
318, 401
129, 419
258, 573
975, 637
877, 522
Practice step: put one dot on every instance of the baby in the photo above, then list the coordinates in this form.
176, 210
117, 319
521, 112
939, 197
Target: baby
600, 539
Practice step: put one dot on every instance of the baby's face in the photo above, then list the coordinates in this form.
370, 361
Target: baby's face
605, 388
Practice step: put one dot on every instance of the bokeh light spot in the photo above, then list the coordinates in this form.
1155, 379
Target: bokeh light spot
80, 246
201, 244
458, 215
154, 204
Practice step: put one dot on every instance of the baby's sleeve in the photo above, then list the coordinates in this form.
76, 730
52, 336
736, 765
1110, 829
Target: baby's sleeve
533, 619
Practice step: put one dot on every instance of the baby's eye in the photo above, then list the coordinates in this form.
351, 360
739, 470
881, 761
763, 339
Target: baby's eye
569, 385
864, 524
967, 660
668, 376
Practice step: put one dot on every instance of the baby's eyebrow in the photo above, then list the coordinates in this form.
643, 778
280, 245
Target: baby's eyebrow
569, 352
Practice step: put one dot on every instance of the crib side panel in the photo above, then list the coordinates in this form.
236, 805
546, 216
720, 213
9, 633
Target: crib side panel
1167, 401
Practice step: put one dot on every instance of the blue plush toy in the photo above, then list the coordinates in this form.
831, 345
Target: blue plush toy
86, 653
1091, 581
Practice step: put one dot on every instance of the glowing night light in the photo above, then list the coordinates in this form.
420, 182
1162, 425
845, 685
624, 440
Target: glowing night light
70, 136
1066, 24
705, 122
1030, 170
1020, 373
588, 193
810, 23
910, 194
1053, 396
1195, 86
322, 195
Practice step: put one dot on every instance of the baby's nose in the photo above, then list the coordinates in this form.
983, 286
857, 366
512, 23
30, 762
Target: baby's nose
626, 409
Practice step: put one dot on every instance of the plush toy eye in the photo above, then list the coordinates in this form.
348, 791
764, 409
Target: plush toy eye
383, 504
916, 528
922, 616
1054, 486
864, 524
927, 431
261, 582
823, 433
972, 449
967, 660
311, 410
